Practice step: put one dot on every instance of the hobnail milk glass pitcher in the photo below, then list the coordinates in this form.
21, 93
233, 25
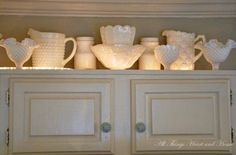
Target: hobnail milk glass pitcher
51, 49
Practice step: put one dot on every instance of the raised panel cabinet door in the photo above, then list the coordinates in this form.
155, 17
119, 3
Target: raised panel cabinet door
61, 115
171, 116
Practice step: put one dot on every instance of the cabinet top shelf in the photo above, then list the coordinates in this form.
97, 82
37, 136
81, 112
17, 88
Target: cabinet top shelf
11, 71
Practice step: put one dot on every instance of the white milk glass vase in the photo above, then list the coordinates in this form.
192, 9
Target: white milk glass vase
84, 58
148, 61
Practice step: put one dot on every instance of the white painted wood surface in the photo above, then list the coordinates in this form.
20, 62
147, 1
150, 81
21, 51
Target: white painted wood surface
120, 8
182, 112
64, 115
198, 109
58, 117
122, 98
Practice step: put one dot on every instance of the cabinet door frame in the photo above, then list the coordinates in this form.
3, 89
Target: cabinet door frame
224, 109
100, 81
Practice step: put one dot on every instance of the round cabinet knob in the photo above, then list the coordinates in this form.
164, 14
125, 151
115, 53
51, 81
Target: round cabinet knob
106, 127
140, 127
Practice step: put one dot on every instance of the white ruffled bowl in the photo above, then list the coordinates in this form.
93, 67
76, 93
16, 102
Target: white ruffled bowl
117, 57
118, 34
216, 52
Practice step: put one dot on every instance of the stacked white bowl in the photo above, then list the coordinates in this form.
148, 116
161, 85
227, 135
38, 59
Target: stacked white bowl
117, 51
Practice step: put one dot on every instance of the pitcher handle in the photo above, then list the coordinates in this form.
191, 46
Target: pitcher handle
199, 38
73, 51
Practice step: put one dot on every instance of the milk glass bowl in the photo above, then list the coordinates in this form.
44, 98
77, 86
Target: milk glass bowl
116, 35
216, 52
19, 52
117, 57
117, 51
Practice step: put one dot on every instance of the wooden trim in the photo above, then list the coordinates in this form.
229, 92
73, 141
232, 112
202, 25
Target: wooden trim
157, 73
120, 8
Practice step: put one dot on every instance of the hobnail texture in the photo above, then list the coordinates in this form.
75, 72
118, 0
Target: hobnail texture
19, 52
117, 34
216, 52
52, 49
166, 55
117, 57
48, 58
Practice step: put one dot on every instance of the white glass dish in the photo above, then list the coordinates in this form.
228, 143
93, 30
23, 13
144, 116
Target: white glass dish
117, 57
117, 34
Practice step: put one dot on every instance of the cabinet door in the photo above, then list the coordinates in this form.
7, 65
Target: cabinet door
61, 115
170, 116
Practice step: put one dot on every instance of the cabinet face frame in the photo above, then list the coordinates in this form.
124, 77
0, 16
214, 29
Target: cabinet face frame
120, 8
149, 91
106, 85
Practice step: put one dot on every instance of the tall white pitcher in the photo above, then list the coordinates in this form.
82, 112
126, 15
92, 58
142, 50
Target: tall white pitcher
185, 42
51, 51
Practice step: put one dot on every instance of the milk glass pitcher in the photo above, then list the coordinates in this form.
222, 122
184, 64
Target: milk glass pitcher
51, 49
185, 42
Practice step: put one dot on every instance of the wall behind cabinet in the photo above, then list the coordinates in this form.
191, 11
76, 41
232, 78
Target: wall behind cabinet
220, 28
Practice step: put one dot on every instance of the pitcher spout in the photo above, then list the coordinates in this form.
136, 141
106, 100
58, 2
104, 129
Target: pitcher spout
34, 33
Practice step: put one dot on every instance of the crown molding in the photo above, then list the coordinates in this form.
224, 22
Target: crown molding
120, 8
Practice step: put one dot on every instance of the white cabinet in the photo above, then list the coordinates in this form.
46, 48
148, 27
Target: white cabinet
180, 115
116, 112
61, 115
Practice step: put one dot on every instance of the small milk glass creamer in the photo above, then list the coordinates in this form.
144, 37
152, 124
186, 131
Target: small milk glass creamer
148, 61
84, 58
